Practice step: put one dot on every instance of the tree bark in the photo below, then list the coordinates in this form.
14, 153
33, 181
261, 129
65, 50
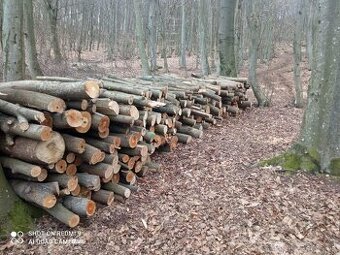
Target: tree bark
141, 38
32, 56
226, 38
14, 213
13, 41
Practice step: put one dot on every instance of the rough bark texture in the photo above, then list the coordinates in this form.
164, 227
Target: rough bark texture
318, 147
32, 59
14, 214
226, 38
141, 38
297, 56
13, 41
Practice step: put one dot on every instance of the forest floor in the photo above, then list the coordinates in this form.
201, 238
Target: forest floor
211, 198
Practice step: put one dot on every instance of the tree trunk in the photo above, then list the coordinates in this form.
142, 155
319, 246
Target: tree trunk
182, 62
152, 35
254, 28
13, 41
14, 213
32, 58
226, 38
321, 125
297, 56
140, 38
318, 146
52, 14
202, 38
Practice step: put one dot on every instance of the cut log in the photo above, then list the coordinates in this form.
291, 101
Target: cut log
117, 189
40, 194
33, 100
20, 167
70, 157
115, 178
101, 169
74, 144
22, 114
104, 146
100, 122
89, 181
183, 138
111, 159
71, 170
47, 152
127, 176
118, 97
141, 130
64, 181
86, 122
129, 141
161, 129
59, 167
103, 196
68, 119
78, 105
122, 119
92, 155
80, 205
64, 215
76, 192
107, 106
129, 110
140, 150
149, 137
190, 131
123, 157
66, 90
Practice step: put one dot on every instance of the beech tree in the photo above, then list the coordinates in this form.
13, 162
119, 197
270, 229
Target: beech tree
226, 35
318, 146
13, 41
32, 56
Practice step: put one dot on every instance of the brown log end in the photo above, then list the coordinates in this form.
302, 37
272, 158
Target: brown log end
92, 88
46, 133
36, 171
72, 183
74, 118
60, 166
86, 123
71, 169
73, 221
49, 201
57, 105
90, 208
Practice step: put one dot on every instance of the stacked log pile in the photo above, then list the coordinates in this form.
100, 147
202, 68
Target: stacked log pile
68, 144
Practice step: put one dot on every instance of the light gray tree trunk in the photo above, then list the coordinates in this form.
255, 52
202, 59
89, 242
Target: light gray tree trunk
152, 35
297, 55
202, 37
141, 39
13, 41
52, 14
253, 26
226, 38
321, 125
182, 61
32, 57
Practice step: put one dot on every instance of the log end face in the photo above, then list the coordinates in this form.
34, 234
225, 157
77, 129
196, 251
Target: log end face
49, 201
73, 221
92, 88
90, 208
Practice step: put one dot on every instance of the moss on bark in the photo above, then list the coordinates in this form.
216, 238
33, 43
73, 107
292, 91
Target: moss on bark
15, 214
297, 158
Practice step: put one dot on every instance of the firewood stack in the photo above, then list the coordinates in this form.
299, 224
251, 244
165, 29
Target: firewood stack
68, 144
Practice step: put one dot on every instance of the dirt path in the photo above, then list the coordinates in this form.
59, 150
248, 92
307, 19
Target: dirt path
208, 199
